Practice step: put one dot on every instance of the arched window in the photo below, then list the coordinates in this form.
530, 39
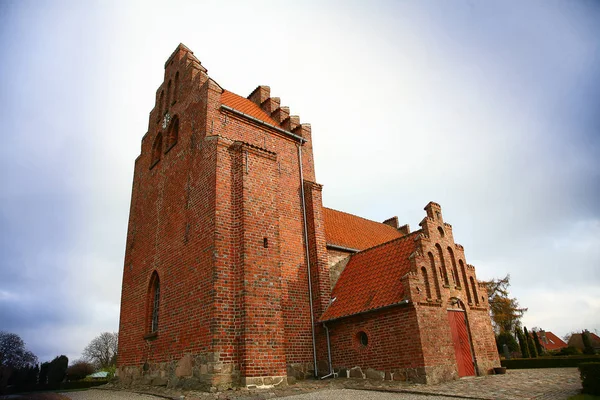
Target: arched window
444, 270
441, 231
474, 288
153, 303
464, 276
176, 88
435, 277
455, 275
156, 150
169, 95
173, 133
426, 281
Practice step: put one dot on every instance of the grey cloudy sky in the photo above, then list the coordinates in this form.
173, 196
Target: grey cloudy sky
488, 108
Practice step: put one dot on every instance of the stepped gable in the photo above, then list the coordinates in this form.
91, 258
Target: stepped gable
347, 230
372, 279
246, 106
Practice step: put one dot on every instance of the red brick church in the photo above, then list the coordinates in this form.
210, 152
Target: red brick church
235, 273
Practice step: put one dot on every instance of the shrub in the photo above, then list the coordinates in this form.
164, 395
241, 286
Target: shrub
79, 370
568, 351
505, 338
590, 377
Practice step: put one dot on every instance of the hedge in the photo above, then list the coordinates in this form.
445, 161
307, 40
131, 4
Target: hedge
548, 362
55, 387
590, 377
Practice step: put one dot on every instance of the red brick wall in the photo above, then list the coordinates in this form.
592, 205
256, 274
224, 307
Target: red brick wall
170, 232
393, 340
435, 330
199, 218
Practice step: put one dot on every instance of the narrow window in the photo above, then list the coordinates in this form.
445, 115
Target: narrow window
156, 150
435, 277
161, 105
153, 303
444, 270
173, 133
426, 281
464, 276
474, 290
176, 88
454, 268
441, 231
169, 94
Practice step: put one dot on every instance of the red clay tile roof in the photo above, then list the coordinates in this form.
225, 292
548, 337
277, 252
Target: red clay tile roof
246, 106
371, 279
354, 232
576, 340
554, 342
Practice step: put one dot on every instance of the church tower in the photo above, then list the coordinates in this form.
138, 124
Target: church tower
225, 224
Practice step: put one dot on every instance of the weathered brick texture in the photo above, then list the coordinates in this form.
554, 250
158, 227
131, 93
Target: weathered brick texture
217, 216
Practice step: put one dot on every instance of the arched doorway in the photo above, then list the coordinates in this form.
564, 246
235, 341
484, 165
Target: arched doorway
460, 338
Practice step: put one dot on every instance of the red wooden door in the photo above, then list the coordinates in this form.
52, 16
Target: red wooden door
462, 346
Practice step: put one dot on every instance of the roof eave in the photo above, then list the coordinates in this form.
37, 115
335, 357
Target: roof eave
400, 303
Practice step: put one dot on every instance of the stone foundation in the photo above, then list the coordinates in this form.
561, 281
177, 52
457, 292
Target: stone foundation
200, 372
300, 371
263, 382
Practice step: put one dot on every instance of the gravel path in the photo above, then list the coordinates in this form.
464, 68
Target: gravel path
107, 395
332, 394
348, 394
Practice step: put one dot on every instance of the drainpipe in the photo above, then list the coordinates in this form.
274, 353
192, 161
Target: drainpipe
331, 373
310, 296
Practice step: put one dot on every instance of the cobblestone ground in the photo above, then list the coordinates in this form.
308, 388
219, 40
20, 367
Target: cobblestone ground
108, 395
538, 384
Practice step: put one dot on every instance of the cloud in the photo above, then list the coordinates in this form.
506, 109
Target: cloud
488, 109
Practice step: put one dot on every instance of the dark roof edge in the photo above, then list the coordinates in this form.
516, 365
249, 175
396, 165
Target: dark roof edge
342, 248
400, 303
260, 122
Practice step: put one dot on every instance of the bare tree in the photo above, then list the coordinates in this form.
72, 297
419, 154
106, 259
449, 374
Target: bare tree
102, 350
13, 352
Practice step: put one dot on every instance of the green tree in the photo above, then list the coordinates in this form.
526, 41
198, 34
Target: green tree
536, 341
43, 380
505, 311
506, 338
587, 343
522, 343
530, 344
57, 370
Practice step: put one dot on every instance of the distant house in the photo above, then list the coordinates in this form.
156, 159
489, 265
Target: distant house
99, 375
550, 341
576, 340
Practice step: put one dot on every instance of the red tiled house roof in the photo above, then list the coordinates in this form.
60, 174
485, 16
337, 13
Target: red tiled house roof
552, 342
371, 279
246, 106
347, 230
576, 340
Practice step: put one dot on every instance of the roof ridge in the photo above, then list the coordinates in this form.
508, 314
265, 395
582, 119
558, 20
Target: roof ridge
384, 243
358, 216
